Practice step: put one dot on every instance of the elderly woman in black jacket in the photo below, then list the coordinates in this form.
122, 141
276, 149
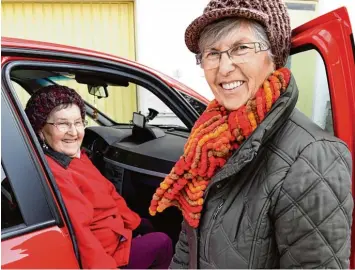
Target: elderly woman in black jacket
259, 185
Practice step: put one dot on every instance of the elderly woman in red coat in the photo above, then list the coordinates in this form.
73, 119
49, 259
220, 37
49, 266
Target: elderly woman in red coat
102, 221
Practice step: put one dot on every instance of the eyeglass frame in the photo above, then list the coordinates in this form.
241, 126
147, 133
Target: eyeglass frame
261, 44
84, 122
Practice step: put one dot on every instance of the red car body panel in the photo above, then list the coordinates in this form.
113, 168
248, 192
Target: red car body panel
329, 34
34, 249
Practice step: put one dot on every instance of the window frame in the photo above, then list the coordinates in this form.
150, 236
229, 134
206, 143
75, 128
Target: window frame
45, 177
190, 98
18, 170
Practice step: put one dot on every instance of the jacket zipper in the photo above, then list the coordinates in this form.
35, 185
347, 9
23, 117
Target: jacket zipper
215, 214
244, 162
218, 209
214, 217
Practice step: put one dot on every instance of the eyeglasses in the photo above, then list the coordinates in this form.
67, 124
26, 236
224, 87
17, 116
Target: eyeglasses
241, 53
66, 126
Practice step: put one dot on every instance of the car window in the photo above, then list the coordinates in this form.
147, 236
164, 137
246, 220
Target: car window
21, 93
24, 96
147, 99
117, 106
196, 104
314, 100
123, 101
10, 212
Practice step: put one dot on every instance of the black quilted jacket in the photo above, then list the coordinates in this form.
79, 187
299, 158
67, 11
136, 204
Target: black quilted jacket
282, 200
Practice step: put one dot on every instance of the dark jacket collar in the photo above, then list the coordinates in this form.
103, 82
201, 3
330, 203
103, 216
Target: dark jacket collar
276, 117
62, 159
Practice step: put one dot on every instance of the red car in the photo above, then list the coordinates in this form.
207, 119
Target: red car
36, 231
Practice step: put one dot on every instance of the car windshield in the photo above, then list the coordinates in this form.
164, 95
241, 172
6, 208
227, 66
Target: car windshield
124, 98
122, 101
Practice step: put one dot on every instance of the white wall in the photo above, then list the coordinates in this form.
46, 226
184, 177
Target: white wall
160, 29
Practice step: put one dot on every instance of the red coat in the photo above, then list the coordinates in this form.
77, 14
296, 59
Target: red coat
99, 215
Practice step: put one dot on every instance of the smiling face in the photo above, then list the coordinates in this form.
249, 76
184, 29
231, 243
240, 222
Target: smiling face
234, 84
64, 142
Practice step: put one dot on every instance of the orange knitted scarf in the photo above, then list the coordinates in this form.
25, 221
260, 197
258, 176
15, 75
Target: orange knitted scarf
214, 137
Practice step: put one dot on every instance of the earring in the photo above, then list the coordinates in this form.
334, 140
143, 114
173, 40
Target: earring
44, 145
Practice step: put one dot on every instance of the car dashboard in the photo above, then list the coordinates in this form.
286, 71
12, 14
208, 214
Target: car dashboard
136, 164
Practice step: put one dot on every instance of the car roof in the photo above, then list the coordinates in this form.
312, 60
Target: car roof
7, 42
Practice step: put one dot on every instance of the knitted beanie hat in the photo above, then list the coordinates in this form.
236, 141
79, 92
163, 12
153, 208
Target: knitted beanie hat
272, 14
44, 100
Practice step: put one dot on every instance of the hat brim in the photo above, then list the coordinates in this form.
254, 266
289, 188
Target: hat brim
193, 31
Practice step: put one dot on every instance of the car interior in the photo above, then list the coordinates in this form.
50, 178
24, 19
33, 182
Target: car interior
134, 156
9, 207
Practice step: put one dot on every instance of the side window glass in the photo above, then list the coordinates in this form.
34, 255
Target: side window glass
123, 101
314, 100
21, 93
10, 211
24, 97
147, 99
197, 105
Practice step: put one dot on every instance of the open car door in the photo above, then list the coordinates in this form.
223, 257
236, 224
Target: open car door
331, 35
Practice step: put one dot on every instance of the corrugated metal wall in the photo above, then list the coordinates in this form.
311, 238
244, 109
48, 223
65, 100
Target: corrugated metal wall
101, 26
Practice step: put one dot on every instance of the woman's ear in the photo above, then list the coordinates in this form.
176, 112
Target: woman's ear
40, 134
43, 140
274, 66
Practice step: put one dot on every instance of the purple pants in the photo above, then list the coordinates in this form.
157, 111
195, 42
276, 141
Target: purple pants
150, 251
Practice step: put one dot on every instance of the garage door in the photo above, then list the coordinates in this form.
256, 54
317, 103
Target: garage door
100, 26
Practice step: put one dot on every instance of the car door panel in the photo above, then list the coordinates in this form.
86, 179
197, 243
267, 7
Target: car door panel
35, 251
41, 238
331, 35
